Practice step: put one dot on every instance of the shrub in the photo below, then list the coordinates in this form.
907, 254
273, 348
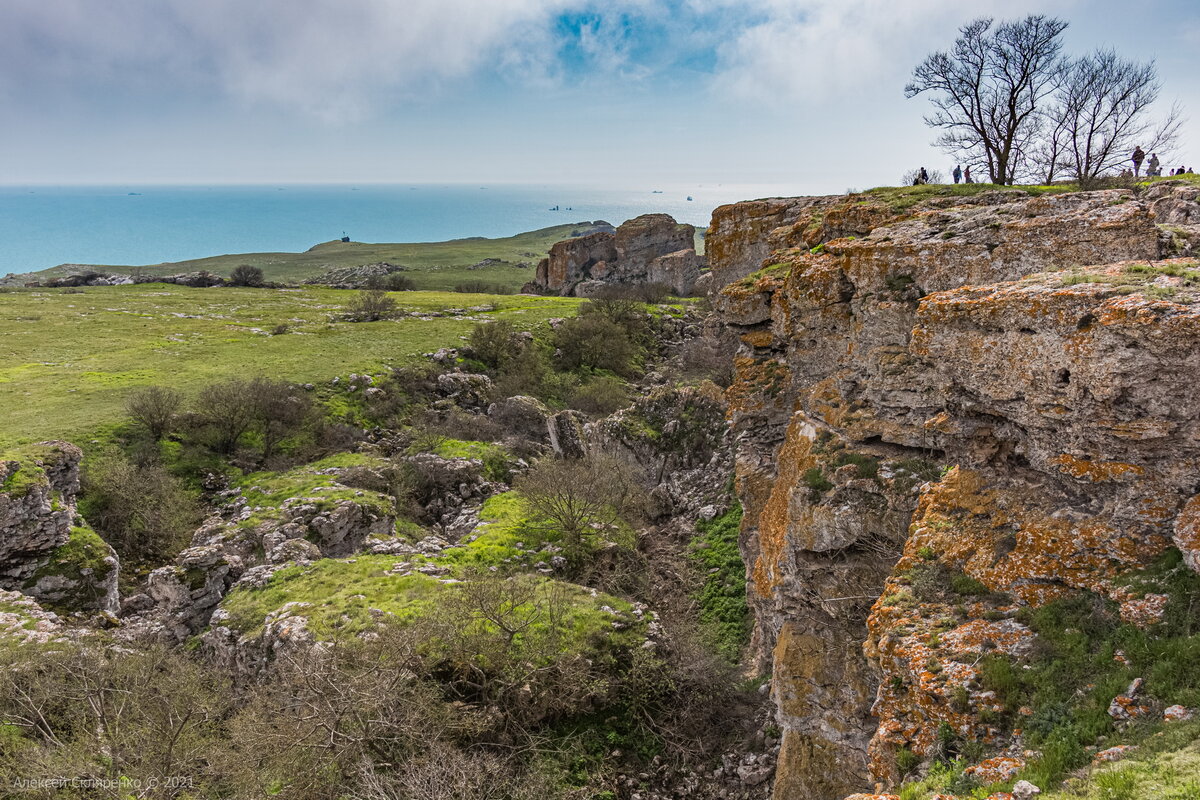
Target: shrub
154, 408
144, 512
278, 410
814, 478
866, 466
395, 282
371, 305
602, 395
595, 342
496, 344
579, 498
246, 275
227, 410
483, 287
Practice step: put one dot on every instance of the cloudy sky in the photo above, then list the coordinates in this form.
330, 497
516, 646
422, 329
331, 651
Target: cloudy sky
805, 92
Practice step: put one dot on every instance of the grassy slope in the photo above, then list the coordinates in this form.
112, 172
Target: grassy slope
68, 361
433, 265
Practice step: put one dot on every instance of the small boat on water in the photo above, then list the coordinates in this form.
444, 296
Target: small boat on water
689, 198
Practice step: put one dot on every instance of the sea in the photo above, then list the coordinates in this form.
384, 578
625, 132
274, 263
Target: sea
44, 226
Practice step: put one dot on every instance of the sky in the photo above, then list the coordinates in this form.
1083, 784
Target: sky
591, 92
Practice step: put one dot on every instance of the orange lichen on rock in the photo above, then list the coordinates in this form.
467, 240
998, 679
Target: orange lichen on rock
1097, 471
758, 384
795, 458
1186, 533
1002, 538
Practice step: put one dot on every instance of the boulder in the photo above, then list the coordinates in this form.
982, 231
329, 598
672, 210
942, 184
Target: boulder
680, 270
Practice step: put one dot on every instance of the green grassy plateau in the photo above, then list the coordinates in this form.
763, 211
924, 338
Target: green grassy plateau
432, 265
69, 358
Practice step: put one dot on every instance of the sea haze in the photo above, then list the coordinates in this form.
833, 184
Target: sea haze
42, 226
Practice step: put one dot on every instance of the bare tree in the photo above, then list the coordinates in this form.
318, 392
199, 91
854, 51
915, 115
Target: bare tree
1103, 113
228, 409
578, 498
989, 89
155, 408
279, 410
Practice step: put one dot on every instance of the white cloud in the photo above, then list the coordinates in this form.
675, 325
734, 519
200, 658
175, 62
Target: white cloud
816, 50
328, 57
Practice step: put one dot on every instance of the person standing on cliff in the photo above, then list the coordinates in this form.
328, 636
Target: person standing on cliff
958, 173
924, 176
1139, 155
1152, 170
967, 175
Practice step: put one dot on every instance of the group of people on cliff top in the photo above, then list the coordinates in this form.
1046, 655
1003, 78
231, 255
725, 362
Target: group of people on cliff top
962, 174
1153, 166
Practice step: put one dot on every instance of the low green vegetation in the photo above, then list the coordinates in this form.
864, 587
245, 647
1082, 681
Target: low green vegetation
430, 265
69, 362
723, 607
903, 198
1085, 656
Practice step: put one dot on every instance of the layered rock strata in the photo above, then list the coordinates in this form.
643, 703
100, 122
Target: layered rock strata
46, 550
954, 365
652, 248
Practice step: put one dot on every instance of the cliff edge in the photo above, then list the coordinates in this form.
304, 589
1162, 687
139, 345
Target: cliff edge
950, 412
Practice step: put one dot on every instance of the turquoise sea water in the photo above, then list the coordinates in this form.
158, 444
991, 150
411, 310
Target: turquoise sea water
42, 226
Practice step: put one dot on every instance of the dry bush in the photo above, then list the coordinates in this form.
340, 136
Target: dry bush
154, 408
144, 512
710, 358
371, 305
581, 498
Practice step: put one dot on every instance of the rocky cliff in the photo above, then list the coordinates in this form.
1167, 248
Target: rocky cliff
948, 409
652, 248
46, 549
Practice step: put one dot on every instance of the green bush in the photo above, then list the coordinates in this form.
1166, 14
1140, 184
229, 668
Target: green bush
814, 478
143, 511
601, 395
595, 342
496, 344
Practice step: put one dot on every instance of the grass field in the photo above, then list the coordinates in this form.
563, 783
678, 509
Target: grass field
432, 265
69, 359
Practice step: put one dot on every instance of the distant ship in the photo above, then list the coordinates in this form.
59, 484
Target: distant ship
689, 198
657, 191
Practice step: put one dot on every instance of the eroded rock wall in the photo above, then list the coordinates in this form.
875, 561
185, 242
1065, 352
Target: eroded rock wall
652, 248
957, 368
46, 550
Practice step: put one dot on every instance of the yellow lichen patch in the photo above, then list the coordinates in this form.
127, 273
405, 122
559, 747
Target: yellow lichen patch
757, 384
1096, 471
795, 457
1000, 538
758, 338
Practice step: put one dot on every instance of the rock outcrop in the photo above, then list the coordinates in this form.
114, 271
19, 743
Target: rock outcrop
652, 248
946, 385
46, 550
321, 515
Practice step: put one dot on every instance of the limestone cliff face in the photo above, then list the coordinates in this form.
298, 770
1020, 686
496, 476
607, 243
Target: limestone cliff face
652, 248
950, 379
46, 550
